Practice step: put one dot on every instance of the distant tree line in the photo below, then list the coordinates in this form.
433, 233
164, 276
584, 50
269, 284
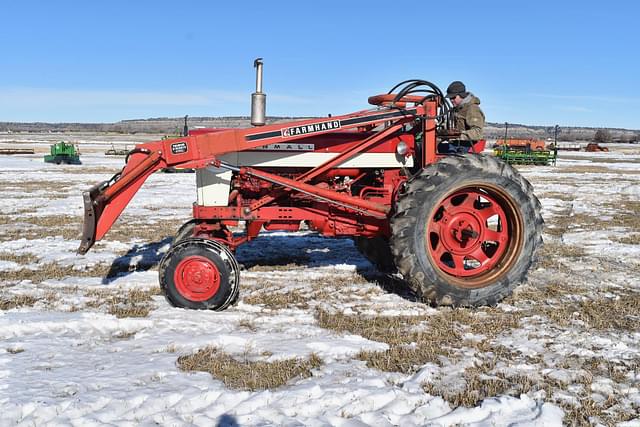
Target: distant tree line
168, 125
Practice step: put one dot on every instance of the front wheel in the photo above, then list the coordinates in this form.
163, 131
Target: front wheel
199, 274
466, 231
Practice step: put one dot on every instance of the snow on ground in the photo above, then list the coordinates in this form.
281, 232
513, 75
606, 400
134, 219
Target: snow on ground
69, 355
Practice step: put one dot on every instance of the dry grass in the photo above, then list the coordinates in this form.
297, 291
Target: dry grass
277, 299
616, 370
587, 411
481, 384
131, 303
552, 255
404, 358
246, 374
567, 221
601, 314
396, 331
338, 281
7, 302
630, 239
125, 310
122, 335
52, 271
23, 259
94, 170
247, 324
126, 229
171, 348
551, 291
617, 161
320, 289
68, 227
34, 186
567, 197
626, 217
485, 380
298, 261
566, 306
594, 169
389, 329
134, 303
416, 340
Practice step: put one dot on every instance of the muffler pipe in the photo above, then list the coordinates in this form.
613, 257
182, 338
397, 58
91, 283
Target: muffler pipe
258, 99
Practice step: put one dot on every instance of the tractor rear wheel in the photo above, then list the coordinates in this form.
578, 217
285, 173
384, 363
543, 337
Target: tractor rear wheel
466, 231
199, 274
377, 251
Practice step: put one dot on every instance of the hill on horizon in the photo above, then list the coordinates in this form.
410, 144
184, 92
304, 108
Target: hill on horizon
174, 125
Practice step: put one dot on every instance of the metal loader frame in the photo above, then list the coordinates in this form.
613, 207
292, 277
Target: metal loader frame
334, 212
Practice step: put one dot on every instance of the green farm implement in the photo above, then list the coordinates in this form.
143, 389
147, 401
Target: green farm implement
526, 157
518, 151
62, 152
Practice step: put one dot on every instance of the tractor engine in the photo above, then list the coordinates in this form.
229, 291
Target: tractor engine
373, 175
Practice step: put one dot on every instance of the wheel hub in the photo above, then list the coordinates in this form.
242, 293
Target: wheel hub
461, 233
461, 239
197, 278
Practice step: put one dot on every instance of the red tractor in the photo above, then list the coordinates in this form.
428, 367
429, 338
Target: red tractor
462, 229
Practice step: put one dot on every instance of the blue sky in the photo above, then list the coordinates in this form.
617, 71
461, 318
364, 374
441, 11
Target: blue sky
543, 63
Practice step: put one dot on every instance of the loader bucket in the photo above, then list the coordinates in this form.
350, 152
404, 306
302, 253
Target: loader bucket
89, 225
104, 202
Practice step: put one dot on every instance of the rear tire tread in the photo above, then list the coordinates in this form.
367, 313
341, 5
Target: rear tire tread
431, 287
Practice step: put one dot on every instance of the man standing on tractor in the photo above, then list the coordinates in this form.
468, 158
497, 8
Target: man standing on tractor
469, 118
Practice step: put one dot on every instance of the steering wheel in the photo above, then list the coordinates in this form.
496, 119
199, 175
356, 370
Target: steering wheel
386, 99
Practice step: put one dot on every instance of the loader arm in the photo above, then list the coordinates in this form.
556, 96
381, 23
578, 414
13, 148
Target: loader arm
104, 202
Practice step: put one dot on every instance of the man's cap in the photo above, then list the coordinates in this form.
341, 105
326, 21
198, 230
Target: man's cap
456, 88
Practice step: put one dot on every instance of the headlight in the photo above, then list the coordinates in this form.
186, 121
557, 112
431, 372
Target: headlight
402, 148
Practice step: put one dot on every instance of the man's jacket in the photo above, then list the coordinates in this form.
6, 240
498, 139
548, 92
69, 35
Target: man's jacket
469, 118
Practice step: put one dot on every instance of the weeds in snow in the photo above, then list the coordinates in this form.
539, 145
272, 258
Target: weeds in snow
22, 259
39, 227
416, 340
310, 292
246, 374
479, 385
134, 303
630, 239
279, 299
567, 197
52, 271
594, 169
7, 302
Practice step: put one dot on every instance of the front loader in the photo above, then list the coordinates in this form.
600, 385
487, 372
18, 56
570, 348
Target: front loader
462, 229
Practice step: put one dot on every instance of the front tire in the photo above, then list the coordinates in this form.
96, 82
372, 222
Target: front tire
199, 274
185, 231
466, 231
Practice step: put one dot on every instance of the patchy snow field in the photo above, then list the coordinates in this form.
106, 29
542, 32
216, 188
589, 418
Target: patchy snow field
318, 337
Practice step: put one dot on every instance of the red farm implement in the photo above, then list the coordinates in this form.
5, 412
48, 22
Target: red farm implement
461, 229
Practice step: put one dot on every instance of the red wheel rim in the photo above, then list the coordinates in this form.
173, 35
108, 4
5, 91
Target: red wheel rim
470, 234
197, 278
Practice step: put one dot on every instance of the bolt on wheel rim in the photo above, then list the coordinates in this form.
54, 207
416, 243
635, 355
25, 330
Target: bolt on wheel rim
197, 278
471, 234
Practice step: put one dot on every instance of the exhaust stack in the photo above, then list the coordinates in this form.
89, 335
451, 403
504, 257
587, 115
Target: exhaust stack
258, 99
